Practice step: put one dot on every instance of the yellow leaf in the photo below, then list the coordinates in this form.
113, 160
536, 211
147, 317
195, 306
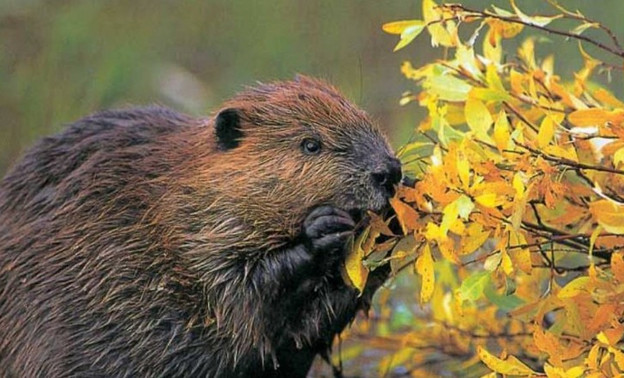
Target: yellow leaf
546, 132
492, 47
493, 80
618, 157
462, 206
566, 152
502, 135
407, 29
527, 54
575, 287
593, 357
521, 257
618, 356
458, 227
432, 232
439, 35
592, 240
495, 90
478, 117
466, 58
354, 266
609, 215
518, 185
450, 214
575, 372
488, 94
511, 365
487, 200
463, 170
548, 66
424, 267
446, 86
554, 372
557, 372
506, 263
474, 239
617, 266
602, 338
397, 27
534, 20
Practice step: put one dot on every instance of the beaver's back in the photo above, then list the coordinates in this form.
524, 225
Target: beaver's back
36, 182
77, 247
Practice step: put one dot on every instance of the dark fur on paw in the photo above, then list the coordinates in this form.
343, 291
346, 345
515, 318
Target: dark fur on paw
327, 229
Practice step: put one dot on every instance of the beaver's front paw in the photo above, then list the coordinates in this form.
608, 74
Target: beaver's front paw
327, 229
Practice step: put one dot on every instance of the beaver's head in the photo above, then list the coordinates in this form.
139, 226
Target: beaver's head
287, 147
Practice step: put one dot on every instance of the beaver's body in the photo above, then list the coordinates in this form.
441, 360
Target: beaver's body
148, 243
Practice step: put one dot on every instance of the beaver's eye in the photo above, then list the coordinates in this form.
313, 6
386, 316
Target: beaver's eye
311, 146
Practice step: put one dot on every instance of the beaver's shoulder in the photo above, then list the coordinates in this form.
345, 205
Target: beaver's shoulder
88, 145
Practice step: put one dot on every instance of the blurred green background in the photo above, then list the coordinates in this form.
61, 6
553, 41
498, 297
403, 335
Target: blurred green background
62, 59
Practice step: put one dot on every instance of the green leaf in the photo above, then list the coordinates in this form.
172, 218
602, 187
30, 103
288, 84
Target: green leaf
502, 12
464, 206
472, 287
504, 302
492, 262
579, 29
446, 86
478, 117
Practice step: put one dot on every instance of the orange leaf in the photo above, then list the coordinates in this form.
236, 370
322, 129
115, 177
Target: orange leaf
617, 266
594, 117
408, 217
549, 343
607, 97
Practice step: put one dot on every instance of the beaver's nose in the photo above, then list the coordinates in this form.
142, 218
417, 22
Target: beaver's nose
388, 176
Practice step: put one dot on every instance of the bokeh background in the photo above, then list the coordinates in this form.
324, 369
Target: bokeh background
63, 59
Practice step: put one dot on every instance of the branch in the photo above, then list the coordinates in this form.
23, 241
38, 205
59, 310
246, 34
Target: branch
576, 16
569, 163
485, 14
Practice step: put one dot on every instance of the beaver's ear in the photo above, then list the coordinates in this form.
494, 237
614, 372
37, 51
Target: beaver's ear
228, 129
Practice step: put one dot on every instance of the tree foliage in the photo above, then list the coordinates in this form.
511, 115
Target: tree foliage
515, 226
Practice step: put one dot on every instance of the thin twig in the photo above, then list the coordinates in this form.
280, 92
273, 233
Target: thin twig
485, 14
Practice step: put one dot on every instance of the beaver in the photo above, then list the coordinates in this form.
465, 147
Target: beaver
144, 242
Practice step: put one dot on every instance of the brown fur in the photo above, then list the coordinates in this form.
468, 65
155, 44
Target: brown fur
133, 244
